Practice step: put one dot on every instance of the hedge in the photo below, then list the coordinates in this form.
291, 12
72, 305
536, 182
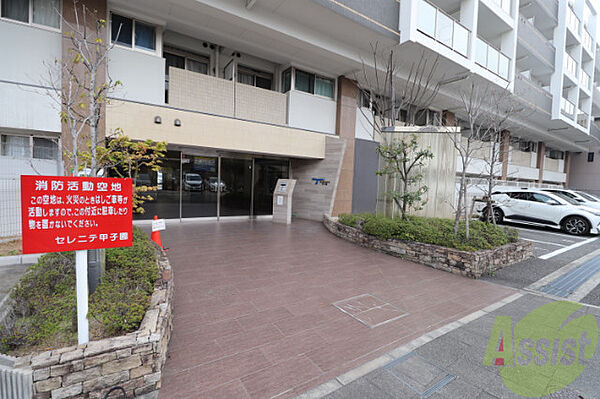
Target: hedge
432, 231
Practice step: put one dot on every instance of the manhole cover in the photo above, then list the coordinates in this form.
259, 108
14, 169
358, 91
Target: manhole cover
419, 374
369, 310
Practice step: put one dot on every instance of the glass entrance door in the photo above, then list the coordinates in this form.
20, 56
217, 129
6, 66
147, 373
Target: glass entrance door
235, 186
266, 173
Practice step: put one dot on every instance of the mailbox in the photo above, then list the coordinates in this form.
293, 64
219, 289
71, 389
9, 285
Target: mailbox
282, 201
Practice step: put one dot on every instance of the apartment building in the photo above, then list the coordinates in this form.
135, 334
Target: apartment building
248, 91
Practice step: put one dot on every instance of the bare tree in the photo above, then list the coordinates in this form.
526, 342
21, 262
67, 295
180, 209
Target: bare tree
390, 93
503, 108
80, 83
474, 105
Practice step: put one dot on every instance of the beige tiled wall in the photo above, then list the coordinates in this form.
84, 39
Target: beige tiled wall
198, 92
520, 158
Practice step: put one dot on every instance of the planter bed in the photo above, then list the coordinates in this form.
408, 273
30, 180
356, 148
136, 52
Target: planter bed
472, 264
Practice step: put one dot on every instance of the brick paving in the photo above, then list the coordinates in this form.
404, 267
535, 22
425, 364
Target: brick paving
254, 315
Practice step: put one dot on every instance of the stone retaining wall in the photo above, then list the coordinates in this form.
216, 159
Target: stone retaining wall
133, 361
472, 264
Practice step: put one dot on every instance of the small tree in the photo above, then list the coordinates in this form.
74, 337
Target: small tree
402, 159
125, 158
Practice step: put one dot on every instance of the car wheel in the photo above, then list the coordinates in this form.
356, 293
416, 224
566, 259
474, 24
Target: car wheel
497, 215
576, 225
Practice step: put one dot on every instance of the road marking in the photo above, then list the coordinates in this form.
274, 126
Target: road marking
585, 288
544, 242
565, 249
563, 236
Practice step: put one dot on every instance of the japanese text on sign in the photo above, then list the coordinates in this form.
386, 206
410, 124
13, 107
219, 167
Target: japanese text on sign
75, 213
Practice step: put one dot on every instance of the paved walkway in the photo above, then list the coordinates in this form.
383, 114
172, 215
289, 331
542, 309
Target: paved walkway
254, 315
450, 366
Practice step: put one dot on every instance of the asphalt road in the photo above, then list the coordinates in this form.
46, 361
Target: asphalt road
552, 250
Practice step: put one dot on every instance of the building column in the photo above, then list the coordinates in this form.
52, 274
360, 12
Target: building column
567, 167
504, 152
541, 152
347, 95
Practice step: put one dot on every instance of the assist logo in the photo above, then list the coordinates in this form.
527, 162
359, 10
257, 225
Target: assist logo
545, 351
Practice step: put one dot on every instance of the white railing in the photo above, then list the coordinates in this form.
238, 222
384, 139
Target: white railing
491, 58
437, 24
572, 20
585, 79
582, 118
571, 64
504, 4
587, 41
567, 107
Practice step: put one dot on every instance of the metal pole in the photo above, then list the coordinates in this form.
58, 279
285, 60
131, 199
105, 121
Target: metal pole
180, 185
219, 188
81, 271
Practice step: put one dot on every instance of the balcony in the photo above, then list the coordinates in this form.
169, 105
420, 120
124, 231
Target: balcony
585, 80
571, 65
438, 25
567, 107
491, 58
503, 4
534, 42
199, 92
587, 42
533, 94
582, 119
595, 131
572, 21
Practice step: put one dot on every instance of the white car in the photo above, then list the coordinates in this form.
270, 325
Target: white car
581, 198
193, 182
541, 208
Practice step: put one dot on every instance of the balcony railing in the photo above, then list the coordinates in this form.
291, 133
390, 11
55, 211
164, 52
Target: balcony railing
571, 64
491, 59
435, 23
582, 118
585, 80
587, 41
504, 4
567, 107
572, 21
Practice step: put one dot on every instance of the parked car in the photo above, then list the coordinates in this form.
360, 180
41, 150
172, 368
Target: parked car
213, 184
542, 208
581, 198
193, 182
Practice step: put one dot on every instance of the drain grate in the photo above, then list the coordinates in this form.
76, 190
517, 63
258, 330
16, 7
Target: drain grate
419, 374
369, 310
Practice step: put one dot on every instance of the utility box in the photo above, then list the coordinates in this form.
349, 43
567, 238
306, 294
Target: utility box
282, 201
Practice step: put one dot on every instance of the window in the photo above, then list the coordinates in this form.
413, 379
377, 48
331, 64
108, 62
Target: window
182, 60
313, 84
44, 148
145, 36
254, 77
542, 198
590, 157
131, 33
15, 146
196, 66
38, 12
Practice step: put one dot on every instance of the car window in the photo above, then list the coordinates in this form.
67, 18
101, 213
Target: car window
519, 195
537, 197
567, 198
587, 196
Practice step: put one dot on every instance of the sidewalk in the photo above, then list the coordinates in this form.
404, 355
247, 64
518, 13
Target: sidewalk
451, 365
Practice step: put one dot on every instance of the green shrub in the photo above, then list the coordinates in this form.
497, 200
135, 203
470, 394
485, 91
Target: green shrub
435, 231
45, 311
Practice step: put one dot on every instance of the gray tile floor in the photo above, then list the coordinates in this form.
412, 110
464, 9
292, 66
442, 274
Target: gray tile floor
461, 353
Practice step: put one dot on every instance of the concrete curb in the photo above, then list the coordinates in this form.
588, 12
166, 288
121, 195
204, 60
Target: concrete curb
19, 259
364, 369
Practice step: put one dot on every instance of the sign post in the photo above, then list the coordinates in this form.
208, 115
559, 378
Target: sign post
60, 213
83, 332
